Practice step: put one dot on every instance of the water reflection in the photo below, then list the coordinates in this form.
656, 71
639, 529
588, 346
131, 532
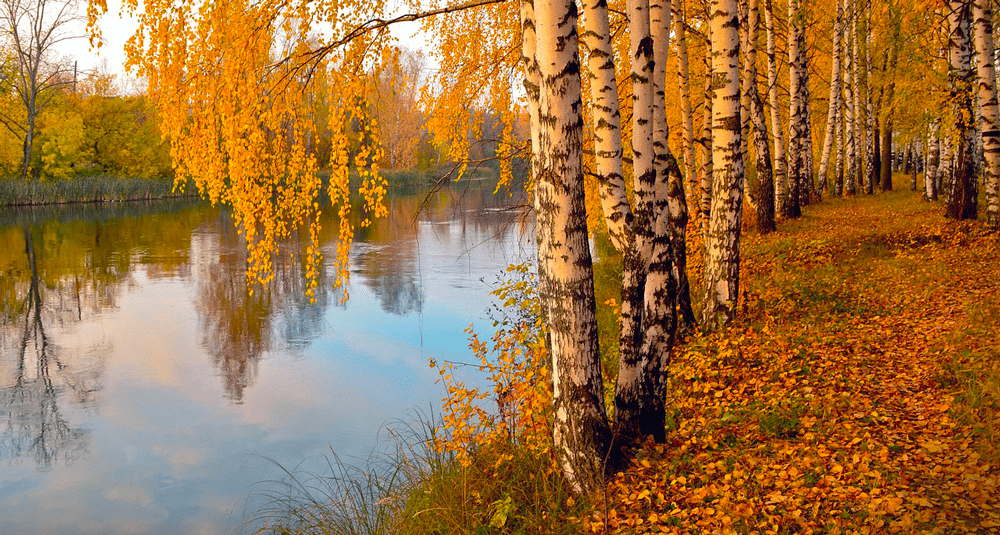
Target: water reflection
33, 425
58, 270
138, 374
237, 322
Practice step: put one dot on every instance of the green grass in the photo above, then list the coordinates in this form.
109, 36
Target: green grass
84, 189
410, 487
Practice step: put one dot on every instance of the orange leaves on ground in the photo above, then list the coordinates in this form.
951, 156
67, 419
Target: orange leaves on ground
855, 397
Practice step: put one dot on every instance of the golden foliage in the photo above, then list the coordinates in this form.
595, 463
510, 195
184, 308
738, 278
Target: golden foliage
855, 397
516, 367
230, 79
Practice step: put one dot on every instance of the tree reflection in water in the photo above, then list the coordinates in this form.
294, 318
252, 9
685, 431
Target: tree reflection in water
237, 324
59, 268
32, 423
388, 261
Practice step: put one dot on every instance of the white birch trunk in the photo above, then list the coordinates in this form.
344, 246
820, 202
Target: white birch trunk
796, 113
707, 145
806, 177
850, 171
742, 9
643, 172
834, 107
780, 180
927, 158
669, 222
671, 200
580, 430
606, 117
988, 105
633, 368
765, 171
933, 162
858, 110
871, 142
944, 170
687, 119
963, 191
722, 252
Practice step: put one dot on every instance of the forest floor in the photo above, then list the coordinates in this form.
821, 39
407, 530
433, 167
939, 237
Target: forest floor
857, 394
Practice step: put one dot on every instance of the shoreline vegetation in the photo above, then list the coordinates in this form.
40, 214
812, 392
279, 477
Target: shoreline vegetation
856, 394
106, 189
87, 189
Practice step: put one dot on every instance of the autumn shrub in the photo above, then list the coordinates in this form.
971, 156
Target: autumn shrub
504, 478
486, 466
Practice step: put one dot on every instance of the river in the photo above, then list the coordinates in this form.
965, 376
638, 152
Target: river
143, 390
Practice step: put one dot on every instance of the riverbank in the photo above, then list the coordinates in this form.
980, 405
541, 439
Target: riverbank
112, 189
88, 189
855, 394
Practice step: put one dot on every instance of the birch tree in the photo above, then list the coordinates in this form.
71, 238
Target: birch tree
684, 86
762, 151
850, 169
889, 69
707, 142
796, 112
722, 252
834, 105
670, 197
581, 432
807, 177
871, 140
780, 178
946, 163
983, 12
858, 126
962, 192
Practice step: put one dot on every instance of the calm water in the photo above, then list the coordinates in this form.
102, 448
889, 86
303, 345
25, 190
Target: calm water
143, 391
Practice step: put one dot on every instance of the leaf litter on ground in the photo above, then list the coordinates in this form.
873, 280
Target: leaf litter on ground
857, 394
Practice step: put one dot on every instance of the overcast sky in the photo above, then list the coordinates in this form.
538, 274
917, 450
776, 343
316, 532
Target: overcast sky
116, 31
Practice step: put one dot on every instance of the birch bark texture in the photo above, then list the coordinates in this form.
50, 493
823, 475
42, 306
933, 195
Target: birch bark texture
707, 145
640, 394
871, 140
859, 129
889, 64
780, 179
962, 192
632, 365
687, 118
796, 112
722, 251
933, 160
835, 103
990, 133
850, 161
606, 117
808, 177
580, 430
765, 172
670, 199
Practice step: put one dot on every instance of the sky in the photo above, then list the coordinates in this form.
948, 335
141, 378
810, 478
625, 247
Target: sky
116, 30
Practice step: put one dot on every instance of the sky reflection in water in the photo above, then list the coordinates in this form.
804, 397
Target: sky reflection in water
143, 390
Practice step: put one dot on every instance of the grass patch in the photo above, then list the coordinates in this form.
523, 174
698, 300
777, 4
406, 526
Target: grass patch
412, 487
86, 189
